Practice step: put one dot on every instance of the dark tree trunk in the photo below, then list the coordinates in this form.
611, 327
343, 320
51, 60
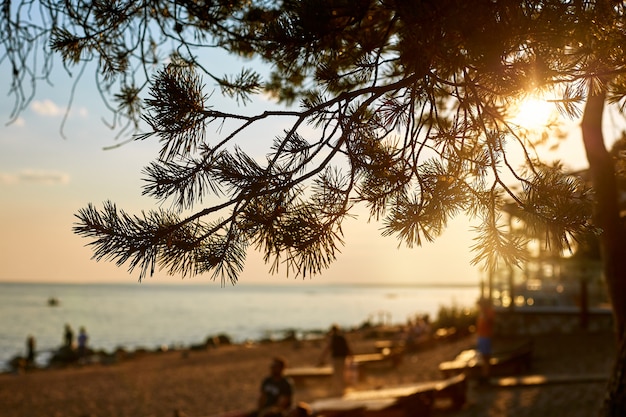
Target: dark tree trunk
614, 404
612, 243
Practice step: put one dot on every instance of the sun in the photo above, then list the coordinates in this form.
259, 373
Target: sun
534, 114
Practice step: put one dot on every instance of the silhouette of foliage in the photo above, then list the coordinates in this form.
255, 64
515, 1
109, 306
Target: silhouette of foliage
401, 106
409, 102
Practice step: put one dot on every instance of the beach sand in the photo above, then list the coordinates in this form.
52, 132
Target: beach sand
227, 378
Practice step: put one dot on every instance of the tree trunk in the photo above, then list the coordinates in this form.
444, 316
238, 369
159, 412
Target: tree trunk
614, 403
612, 243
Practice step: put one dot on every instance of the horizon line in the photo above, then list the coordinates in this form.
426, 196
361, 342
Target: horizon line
429, 284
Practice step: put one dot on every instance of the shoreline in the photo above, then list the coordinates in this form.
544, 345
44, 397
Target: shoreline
105, 356
150, 316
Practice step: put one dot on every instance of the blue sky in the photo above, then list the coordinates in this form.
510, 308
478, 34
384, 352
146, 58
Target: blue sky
46, 178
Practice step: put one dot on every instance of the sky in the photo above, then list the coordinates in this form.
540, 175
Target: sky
46, 177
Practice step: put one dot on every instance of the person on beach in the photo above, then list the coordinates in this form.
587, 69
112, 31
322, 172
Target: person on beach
82, 342
68, 337
485, 323
276, 394
340, 353
30, 350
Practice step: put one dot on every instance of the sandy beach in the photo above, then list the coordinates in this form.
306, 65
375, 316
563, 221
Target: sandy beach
200, 383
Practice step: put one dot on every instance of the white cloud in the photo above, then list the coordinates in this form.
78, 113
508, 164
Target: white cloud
49, 108
34, 177
46, 108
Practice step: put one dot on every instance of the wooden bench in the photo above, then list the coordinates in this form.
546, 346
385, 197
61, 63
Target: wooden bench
301, 375
414, 400
365, 358
445, 334
532, 380
393, 358
387, 346
514, 361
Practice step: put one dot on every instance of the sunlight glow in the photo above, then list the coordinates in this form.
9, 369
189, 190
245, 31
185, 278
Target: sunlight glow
534, 114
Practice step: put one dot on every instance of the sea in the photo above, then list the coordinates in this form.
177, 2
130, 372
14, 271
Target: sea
134, 316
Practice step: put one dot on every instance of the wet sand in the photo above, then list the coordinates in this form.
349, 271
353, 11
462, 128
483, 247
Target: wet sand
227, 378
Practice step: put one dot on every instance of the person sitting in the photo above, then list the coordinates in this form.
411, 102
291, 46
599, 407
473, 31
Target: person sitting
276, 394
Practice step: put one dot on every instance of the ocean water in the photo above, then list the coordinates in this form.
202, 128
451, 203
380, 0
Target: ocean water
147, 316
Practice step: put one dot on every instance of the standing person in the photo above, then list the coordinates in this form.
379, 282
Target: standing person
485, 323
340, 351
30, 350
68, 337
276, 393
82, 342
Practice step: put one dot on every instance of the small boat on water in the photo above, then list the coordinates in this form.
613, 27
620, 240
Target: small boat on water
53, 301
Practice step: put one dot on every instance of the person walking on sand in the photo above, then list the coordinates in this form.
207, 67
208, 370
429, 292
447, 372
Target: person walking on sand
276, 394
340, 352
485, 323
